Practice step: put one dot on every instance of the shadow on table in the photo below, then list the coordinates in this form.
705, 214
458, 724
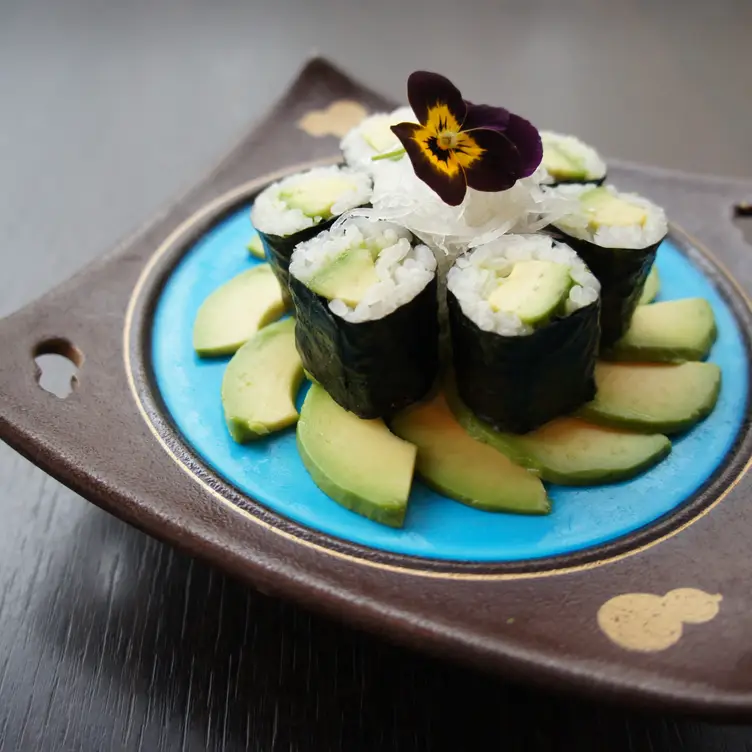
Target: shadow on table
744, 225
206, 663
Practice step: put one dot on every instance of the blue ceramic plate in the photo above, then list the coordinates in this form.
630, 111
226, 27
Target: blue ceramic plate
271, 471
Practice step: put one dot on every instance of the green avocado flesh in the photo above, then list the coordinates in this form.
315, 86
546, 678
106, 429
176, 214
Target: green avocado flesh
561, 165
652, 287
260, 383
316, 197
570, 451
464, 469
380, 137
347, 277
358, 463
234, 312
533, 290
606, 209
669, 332
256, 247
652, 397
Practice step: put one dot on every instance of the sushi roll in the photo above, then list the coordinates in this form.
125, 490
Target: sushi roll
366, 315
373, 137
297, 208
523, 312
569, 160
617, 235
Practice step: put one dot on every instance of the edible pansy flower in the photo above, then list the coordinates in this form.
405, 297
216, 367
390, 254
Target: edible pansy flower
457, 144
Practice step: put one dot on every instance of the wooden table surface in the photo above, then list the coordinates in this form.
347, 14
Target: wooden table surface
112, 641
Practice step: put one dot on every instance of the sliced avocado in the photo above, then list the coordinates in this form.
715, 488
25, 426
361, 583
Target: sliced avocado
234, 312
652, 287
606, 209
260, 383
668, 332
256, 247
464, 469
347, 277
560, 165
652, 397
570, 451
358, 463
533, 290
315, 197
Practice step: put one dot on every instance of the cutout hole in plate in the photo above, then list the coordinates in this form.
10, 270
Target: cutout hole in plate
58, 362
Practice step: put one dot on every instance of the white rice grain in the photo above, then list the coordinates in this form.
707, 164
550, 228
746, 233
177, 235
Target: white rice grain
270, 213
474, 276
592, 162
403, 271
576, 224
359, 146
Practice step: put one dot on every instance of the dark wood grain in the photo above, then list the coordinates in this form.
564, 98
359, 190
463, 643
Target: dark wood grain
110, 640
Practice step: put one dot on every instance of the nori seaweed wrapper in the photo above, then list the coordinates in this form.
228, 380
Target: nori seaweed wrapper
519, 383
279, 248
374, 368
622, 273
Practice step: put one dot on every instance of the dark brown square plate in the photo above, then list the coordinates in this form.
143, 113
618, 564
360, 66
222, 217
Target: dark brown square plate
662, 615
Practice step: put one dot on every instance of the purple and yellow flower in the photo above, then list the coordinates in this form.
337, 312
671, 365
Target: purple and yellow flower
457, 144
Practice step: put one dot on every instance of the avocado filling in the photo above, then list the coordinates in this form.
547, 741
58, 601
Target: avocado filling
517, 283
533, 291
562, 166
569, 160
347, 278
315, 197
373, 137
309, 198
365, 268
603, 208
610, 218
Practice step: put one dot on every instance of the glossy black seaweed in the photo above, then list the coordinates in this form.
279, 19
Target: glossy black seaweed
519, 383
374, 368
622, 273
278, 249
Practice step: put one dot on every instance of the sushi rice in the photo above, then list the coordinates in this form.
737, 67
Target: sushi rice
272, 215
373, 136
475, 275
571, 147
577, 224
403, 270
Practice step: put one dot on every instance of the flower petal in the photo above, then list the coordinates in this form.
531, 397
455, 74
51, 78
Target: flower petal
526, 138
437, 168
500, 164
485, 116
428, 90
